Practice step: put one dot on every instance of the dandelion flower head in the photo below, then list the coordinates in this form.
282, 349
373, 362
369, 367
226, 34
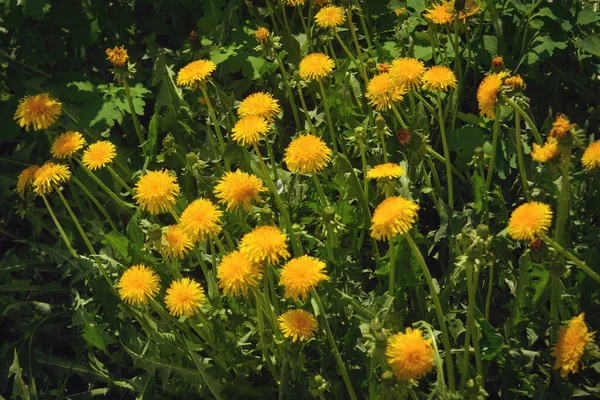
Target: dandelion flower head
330, 17
382, 92
261, 34
546, 152
315, 66
48, 175
260, 104
238, 189
250, 130
38, 112
26, 179
237, 273
117, 56
298, 325
515, 82
185, 296
138, 284
201, 219
439, 78
441, 13
307, 154
393, 216
265, 244
156, 191
561, 126
196, 72
300, 275
487, 93
407, 72
67, 144
176, 242
591, 156
571, 344
410, 355
529, 221
294, 3
99, 154
383, 171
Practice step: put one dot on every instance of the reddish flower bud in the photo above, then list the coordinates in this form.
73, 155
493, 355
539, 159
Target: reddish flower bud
404, 137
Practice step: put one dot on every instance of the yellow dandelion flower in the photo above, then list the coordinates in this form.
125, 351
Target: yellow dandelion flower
389, 171
237, 273
26, 179
529, 221
440, 13
410, 355
118, 56
196, 72
250, 130
156, 191
48, 175
487, 93
265, 244
238, 189
470, 8
261, 34
571, 344
260, 104
439, 78
591, 156
294, 3
307, 154
176, 242
298, 325
200, 219
515, 82
185, 296
407, 72
393, 216
545, 152
138, 284
99, 154
382, 92
561, 126
39, 111
67, 144
330, 17
301, 274
315, 66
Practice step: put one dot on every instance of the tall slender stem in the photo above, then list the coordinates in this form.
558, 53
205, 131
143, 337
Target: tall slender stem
490, 173
303, 102
363, 160
288, 88
363, 24
357, 45
580, 264
120, 180
446, 152
320, 191
350, 56
60, 228
520, 158
215, 121
329, 120
526, 117
136, 121
392, 283
95, 201
488, 299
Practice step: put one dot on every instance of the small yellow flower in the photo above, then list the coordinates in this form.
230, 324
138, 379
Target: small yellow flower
265, 244
330, 17
176, 242
201, 219
261, 34
185, 296
529, 221
591, 156
487, 93
307, 154
497, 63
440, 14
138, 284
294, 3
439, 78
410, 355
39, 111
389, 171
99, 154
315, 66
298, 325
48, 175
545, 152
195, 73
515, 82
237, 273
572, 341
407, 72
300, 275
382, 92
561, 126
156, 191
118, 56
67, 144
250, 130
394, 216
260, 104
238, 189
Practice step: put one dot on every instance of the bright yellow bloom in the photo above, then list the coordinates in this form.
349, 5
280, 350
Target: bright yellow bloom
67, 144
196, 72
39, 111
407, 72
250, 130
394, 216
545, 152
439, 78
176, 242
389, 171
118, 56
260, 104
330, 17
300, 275
261, 34
237, 273
138, 284
48, 175
298, 325
440, 13
529, 221
200, 219
156, 191
515, 82
99, 154
265, 244
382, 92
307, 154
410, 355
487, 93
26, 179
561, 126
294, 3
238, 189
591, 156
315, 66
185, 296
572, 341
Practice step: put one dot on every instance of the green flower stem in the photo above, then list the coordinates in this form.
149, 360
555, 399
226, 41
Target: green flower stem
425, 103
285, 21
350, 56
398, 117
336, 353
363, 160
303, 102
330, 239
288, 88
213, 290
60, 228
488, 299
526, 117
332, 51
446, 152
136, 121
95, 201
438, 309
357, 45
272, 288
320, 191
329, 120
392, 283
495, 139
580, 264
564, 200
306, 29
174, 269
383, 146
121, 181
215, 121
261, 330
522, 170
271, 158
472, 283
554, 299
363, 24
441, 158
219, 244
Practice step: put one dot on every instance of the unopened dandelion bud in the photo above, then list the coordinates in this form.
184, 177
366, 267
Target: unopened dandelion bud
470, 384
359, 132
375, 328
497, 64
380, 122
154, 232
328, 214
381, 340
296, 76
388, 378
266, 214
191, 158
404, 136
193, 37
483, 231
297, 228
169, 142
371, 63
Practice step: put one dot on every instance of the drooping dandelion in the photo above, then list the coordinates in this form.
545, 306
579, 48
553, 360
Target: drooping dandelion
300, 275
250, 130
238, 189
196, 72
298, 325
265, 244
571, 344
487, 93
330, 17
38, 112
294, 3
382, 92
407, 72
470, 8
307, 154
48, 175
546, 152
561, 126
410, 355
201, 219
441, 13
315, 66
260, 104
156, 191
25, 179
591, 156
439, 78
67, 144
176, 242
185, 296
117, 56
515, 82
394, 216
530, 221
138, 284
99, 154
237, 273
385, 171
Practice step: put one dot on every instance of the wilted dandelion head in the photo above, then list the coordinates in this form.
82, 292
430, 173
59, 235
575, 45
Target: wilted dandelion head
546, 152
26, 179
117, 56
487, 93
439, 78
330, 17
156, 191
470, 8
250, 130
265, 244
138, 284
441, 13
260, 104
497, 63
176, 242
185, 296
591, 156
196, 72
382, 92
67, 144
48, 175
307, 154
237, 273
39, 111
300, 275
201, 219
99, 154
571, 344
294, 3
261, 34
298, 325
561, 126
393, 216
388, 170
515, 82
238, 189
530, 221
382, 68
407, 72
315, 66
409, 354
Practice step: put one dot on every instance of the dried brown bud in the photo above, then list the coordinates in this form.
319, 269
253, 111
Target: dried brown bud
404, 137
